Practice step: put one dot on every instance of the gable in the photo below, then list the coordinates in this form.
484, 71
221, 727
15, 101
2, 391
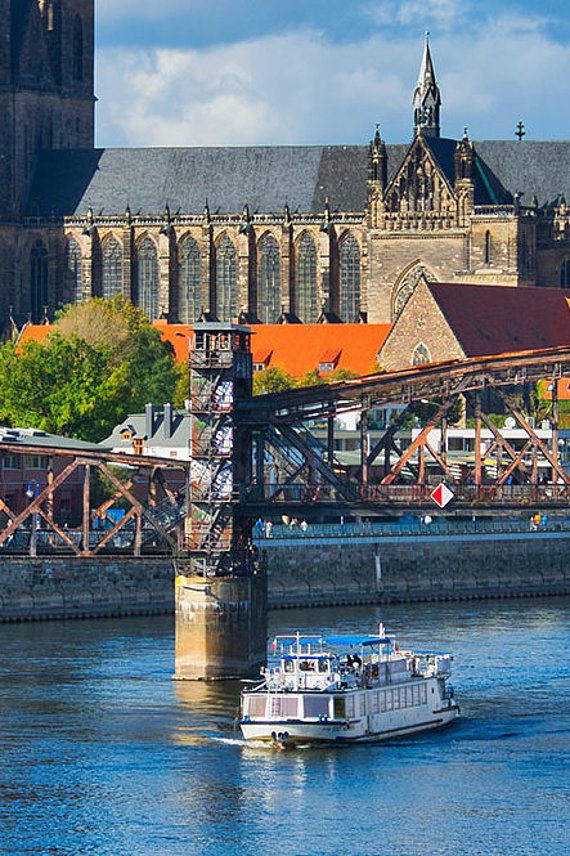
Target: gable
421, 329
421, 183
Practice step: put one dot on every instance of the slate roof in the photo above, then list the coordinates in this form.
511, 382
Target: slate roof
42, 440
67, 182
491, 319
181, 430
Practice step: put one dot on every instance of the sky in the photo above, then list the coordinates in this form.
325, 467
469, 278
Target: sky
267, 72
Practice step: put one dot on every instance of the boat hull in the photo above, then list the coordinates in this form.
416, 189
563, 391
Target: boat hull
295, 732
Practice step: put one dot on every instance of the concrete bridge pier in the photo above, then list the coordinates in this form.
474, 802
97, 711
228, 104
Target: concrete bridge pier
220, 626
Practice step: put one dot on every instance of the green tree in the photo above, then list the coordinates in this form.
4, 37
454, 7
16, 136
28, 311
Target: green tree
272, 379
83, 383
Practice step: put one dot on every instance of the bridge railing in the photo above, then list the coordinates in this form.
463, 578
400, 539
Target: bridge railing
412, 494
413, 526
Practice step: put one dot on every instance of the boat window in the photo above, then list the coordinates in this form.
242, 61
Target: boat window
283, 706
288, 666
316, 705
323, 666
374, 702
307, 665
416, 692
255, 705
339, 708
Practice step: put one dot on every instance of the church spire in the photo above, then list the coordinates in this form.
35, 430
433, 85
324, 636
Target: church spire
427, 98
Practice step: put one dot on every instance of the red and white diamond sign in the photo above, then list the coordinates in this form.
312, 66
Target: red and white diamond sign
441, 495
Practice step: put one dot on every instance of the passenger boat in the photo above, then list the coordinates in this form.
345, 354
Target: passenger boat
341, 689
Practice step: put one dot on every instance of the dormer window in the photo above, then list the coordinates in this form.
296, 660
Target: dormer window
126, 434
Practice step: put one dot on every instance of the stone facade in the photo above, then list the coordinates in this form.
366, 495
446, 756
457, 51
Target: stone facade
291, 234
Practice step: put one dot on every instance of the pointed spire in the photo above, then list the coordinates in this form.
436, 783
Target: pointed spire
427, 98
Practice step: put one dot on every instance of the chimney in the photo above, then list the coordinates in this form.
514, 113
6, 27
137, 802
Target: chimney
167, 428
149, 420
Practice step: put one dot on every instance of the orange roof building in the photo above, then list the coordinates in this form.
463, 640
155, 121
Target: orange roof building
294, 348
301, 348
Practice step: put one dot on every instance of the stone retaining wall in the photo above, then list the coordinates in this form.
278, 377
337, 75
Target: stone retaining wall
301, 572
416, 570
84, 588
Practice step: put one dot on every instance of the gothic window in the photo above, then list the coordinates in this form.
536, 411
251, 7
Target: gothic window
268, 291
189, 298
349, 279
77, 49
38, 280
73, 283
112, 269
565, 274
226, 285
421, 355
487, 248
306, 296
147, 269
407, 287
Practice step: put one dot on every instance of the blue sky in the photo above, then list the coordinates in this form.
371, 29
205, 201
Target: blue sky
246, 72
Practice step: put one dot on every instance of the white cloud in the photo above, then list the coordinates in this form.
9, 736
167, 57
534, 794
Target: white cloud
299, 88
442, 14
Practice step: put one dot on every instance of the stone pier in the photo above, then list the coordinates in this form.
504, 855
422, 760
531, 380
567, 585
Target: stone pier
220, 627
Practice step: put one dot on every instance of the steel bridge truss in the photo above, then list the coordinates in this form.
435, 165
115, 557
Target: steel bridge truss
292, 465
155, 522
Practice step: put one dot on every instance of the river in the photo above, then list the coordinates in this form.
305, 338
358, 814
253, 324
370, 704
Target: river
102, 753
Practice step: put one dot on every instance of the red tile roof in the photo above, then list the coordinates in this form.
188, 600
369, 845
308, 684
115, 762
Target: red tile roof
491, 319
300, 348
296, 348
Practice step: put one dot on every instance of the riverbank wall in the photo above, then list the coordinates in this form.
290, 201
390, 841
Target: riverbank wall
403, 569
302, 571
42, 588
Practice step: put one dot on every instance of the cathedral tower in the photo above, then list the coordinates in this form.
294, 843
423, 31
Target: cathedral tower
427, 98
46, 87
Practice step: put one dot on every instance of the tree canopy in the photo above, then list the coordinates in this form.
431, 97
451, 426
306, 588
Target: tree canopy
101, 361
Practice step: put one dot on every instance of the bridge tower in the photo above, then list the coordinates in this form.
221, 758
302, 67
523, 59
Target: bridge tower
221, 593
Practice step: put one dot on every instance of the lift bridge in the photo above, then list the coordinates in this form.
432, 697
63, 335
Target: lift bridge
265, 456
274, 455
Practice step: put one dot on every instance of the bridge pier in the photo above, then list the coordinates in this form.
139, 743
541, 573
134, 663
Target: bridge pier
221, 592
220, 626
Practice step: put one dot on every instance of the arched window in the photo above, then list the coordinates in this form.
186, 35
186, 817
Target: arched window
226, 287
306, 296
189, 297
73, 282
77, 49
487, 248
349, 279
565, 274
112, 269
268, 289
408, 286
38, 280
421, 355
147, 269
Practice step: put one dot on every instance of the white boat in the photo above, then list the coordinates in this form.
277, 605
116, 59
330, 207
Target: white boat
341, 689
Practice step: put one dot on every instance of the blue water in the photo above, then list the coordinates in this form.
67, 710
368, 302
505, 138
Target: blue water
101, 753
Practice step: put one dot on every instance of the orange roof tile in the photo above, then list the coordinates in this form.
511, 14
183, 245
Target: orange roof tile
299, 348
296, 348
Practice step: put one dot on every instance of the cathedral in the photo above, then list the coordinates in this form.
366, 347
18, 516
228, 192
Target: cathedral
266, 234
